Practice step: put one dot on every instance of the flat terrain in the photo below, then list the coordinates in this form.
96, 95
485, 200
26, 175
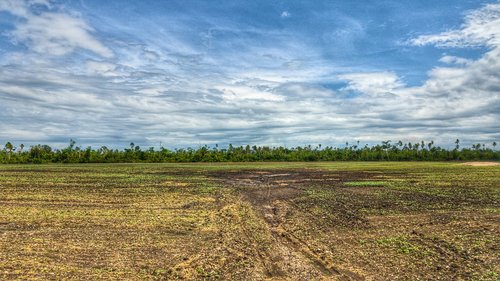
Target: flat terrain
271, 221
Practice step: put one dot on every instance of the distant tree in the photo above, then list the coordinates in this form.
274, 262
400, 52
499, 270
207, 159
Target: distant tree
71, 144
9, 148
385, 146
384, 151
494, 144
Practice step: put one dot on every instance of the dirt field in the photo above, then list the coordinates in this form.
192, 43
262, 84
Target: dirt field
273, 221
481, 164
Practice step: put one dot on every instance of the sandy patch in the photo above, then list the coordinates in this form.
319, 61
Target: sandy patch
481, 164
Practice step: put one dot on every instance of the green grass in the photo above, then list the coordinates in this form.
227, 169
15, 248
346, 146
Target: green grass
366, 183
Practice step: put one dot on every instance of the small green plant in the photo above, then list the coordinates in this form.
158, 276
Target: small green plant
400, 243
207, 274
366, 183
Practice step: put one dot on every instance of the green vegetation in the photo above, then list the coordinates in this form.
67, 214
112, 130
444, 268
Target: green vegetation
366, 183
250, 221
386, 151
399, 243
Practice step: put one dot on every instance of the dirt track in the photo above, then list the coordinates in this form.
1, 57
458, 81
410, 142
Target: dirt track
305, 235
272, 195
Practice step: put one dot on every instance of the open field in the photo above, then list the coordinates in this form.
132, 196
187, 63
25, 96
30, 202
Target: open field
258, 221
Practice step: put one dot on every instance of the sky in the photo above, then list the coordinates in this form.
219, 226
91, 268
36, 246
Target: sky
189, 73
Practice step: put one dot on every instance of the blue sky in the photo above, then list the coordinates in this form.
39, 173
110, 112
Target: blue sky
190, 73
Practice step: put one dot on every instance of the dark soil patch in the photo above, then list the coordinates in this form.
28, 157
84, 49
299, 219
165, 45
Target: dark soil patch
276, 197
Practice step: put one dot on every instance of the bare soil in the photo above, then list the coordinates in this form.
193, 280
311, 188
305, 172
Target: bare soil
334, 238
332, 221
272, 194
481, 164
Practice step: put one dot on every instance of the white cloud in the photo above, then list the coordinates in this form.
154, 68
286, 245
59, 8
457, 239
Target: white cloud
373, 83
285, 14
468, 89
21, 7
14, 7
52, 32
455, 60
258, 95
462, 98
233, 93
481, 27
102, 68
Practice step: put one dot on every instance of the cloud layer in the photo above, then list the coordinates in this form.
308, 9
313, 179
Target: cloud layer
77, 72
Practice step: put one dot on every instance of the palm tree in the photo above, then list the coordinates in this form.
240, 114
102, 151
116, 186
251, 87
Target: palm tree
9, 147
386, 145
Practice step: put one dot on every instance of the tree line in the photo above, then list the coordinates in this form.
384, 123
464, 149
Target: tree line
385, 151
